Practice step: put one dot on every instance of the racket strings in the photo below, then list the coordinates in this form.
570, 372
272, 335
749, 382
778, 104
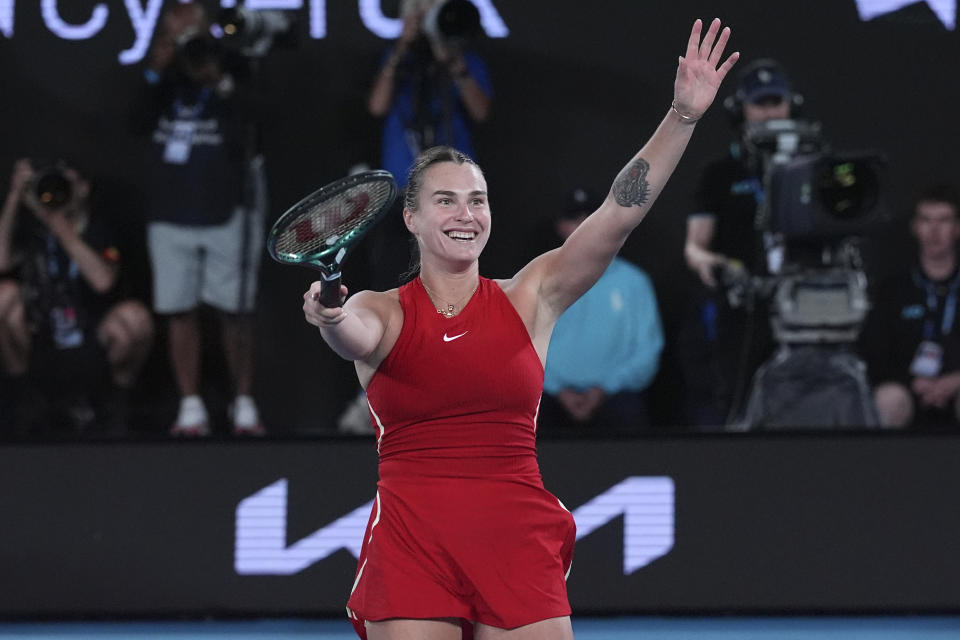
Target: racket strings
333, 219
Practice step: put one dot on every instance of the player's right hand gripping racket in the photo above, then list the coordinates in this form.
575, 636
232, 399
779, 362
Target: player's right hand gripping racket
317, 231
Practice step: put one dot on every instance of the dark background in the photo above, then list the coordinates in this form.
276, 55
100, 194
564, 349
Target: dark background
763, 524
578, 90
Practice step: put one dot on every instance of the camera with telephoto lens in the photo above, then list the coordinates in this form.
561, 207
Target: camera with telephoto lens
817, 205
51, 186
452, 20
196, 49
812, 193
253, 32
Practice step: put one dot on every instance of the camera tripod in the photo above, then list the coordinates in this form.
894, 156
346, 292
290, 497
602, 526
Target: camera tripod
815, 378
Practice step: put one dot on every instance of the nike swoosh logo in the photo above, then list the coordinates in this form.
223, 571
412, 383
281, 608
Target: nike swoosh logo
447, 338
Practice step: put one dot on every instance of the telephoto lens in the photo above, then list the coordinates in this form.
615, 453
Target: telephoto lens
237, 22
452, 19
198, 49
52, 188
849, 187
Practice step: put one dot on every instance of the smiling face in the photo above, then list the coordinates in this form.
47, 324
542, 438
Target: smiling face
452, 218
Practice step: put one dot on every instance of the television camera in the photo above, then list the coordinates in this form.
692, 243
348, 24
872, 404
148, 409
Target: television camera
237, 30
254, 33
817, 207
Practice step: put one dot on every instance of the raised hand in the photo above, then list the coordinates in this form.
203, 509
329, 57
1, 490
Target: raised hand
20, 178
700, 72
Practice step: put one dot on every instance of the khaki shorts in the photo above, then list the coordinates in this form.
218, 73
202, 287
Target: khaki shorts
193, 265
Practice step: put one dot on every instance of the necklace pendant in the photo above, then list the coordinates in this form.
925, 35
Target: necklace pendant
448, 313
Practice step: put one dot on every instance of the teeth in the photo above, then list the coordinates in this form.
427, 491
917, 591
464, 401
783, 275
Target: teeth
462, 235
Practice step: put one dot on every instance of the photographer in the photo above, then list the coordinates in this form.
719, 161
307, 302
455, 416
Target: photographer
206, 206
63, 314
432, 86
723, 346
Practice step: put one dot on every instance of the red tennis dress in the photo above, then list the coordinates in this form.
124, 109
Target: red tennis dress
462, 526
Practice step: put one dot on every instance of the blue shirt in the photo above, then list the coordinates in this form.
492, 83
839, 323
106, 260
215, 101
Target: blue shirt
610, 338
446, 117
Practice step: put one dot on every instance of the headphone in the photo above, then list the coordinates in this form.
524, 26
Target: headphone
733, 104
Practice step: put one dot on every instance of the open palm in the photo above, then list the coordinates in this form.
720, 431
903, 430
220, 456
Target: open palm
700, 72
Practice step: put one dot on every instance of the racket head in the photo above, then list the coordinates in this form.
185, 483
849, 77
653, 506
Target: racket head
318, 230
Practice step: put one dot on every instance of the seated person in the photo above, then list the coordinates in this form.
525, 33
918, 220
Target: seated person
911, 340
64, 318
605, 348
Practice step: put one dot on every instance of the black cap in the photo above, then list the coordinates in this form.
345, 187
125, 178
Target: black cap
764, 80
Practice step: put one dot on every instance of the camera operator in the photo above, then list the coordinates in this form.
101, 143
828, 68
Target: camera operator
724, 346
206, 206
911, 337
63, 310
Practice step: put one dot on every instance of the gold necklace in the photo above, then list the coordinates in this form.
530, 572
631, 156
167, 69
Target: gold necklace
451, 309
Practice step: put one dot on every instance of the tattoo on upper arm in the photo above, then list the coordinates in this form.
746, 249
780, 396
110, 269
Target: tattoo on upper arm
631, 187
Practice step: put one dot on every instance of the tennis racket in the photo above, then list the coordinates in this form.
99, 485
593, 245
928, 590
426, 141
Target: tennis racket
318, 231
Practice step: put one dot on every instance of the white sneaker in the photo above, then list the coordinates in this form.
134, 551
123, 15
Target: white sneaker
246, 418
356, 417
192, 419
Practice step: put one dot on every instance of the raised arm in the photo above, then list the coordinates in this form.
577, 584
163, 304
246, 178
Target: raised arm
567, 272
22, 173
381, 92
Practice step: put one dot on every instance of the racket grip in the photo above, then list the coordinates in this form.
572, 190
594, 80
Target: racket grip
330, 291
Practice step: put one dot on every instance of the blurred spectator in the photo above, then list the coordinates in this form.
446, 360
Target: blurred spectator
432, 85
911, 338
65, 320
721, 346
206, 214
605, 348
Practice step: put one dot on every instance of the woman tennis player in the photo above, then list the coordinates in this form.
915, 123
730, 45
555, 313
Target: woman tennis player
463, 539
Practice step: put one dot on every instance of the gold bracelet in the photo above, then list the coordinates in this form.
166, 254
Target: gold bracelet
683, 116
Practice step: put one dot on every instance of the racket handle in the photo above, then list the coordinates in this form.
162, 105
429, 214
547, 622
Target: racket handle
330, 291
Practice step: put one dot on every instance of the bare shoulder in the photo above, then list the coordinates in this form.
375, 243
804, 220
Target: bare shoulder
374, 300
377, 306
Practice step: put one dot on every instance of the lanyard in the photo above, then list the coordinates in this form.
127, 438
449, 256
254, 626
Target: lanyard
53, 261
182, 111
949, 304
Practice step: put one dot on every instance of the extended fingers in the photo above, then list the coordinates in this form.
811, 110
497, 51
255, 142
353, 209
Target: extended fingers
717, 52
694, 41
728, 64
711, 47
711, 36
